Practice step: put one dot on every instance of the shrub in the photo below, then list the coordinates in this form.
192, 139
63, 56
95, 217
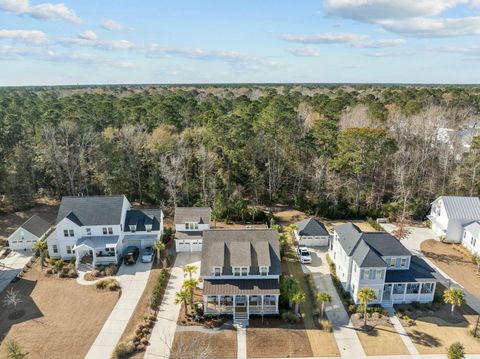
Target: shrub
58, 266
15, 351
111, 284
96, 273
352, 308
49, 271
72, 273
456, 351
123, 349
290, 317
326, 325
373, 223
161, 282
63, 273
111, 270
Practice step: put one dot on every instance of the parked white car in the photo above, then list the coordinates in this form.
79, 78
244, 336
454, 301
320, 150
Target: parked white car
304, 255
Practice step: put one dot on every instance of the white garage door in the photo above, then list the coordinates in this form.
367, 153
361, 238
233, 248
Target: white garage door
135, 242
314, 241
182, 246
196, 246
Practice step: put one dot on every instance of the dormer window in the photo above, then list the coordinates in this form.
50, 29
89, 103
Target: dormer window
240, 271
393, 262
133, 228
89, 231
217, 271
191, 225
148, 227
403, 262
263, 270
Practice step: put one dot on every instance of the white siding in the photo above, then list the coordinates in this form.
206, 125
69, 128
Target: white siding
21, 240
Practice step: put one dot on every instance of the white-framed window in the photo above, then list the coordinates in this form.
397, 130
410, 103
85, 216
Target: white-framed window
65, 232
104, 230
148, 227
366, 274
69, 249
379, 274
55, 248
263, 270
217, 271
71, 233
473, 242
133, 228
89, 231
110, 230
464, 234
191, 225
403, 262
240, 271
393, 262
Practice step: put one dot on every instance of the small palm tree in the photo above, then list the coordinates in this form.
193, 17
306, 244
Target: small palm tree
15, 351
159, 246
366, 295
190, 269
42, 247
182, 297
12, 299
324, 297
454, 296
189, 285
297, 298
456, 351
476, 260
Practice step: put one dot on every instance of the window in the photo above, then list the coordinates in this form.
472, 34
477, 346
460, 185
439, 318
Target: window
263, 270
403, 262
427, 288
148, 227
366, 274
110, 230
69, 249
393, 262
65, 232
55, 248
240, 271
191, 225
379, 274
464, 234
104, 229
473, 241
89, 231
70, 231
133, 228
217, 271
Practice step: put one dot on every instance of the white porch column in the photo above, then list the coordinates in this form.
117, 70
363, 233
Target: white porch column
419, 291
218, 304
94, 257
405, 291
261, 296
248, 304
277, 302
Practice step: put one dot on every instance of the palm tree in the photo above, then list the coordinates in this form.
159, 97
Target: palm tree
454, 296
288, 287
366, 295
476, 260
297, 298
159, 246
189, 285
182, 297
190, 269
42, 247
324, 297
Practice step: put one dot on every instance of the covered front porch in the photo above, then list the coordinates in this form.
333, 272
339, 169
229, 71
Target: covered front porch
97, 250
241, 298
394, 293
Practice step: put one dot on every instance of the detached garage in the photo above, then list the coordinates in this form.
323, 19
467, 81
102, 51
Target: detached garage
188, 241
28, 233
311, 233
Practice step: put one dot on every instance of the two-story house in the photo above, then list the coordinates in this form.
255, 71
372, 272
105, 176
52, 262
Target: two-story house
379, 261
241, 270
190, 222
97, 229
450, 217
311, 232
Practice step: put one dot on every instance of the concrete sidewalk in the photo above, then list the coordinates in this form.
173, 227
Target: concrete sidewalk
163, 333
133, 280
11, 266
347, 340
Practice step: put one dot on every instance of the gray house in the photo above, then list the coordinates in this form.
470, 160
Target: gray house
33, 230
241, 270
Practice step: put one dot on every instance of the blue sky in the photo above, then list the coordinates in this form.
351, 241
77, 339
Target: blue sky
213, 41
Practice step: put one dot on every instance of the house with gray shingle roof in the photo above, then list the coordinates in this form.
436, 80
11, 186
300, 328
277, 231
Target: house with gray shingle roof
450, 217
96, 229
190, 222
312, 233
379, 261
30, 232
241, 269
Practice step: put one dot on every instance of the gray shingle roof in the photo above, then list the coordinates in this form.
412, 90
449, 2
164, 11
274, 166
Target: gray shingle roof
365, 257
192, 214
240, 247
93, 210
36, 226
142, 217
384, 244
311, 227
188, 235
462, 207
419, 271
240, 286
474, 229
348, 236
97, 242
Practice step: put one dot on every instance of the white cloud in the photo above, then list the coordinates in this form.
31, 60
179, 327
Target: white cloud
378, 44
112, 25
304, 52
473, 50
325, 38
88, 35
45, 11
380, 10
28, 36
89, 39
441, 27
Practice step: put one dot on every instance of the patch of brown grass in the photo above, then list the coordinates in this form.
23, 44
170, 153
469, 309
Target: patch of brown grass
382, 340
220, 344
278, 342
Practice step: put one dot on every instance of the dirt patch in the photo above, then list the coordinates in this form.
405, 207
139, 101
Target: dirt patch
363, 225
62, 318
454, 260
44, 207
382, 340
216, 345
278, 342
289, 216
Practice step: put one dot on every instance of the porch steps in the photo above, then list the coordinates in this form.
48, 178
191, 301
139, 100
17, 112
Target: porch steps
85, 267
242, 323
240, 318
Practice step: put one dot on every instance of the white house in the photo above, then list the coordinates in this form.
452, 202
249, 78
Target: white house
450, 215
33, 230
240, 270
471, 237
312, 233
190, 222
379, 261
97, 229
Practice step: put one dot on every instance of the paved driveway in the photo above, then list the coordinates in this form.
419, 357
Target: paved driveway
133, 280
164, 331
11, 266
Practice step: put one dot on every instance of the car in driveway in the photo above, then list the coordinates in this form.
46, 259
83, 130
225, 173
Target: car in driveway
147, 255
130, 255
304, 255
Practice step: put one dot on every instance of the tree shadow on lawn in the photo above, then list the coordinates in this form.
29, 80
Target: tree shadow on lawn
444, 258
424, 339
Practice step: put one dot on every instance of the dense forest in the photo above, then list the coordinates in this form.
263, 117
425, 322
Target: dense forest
338, 151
